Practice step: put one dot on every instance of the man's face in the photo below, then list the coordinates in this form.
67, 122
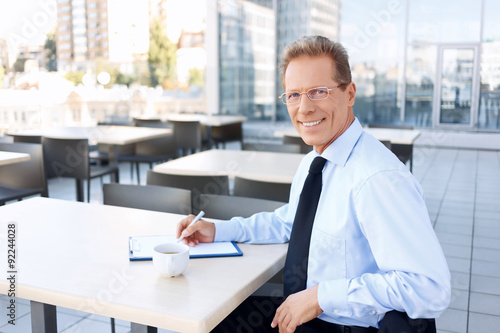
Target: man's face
318, 122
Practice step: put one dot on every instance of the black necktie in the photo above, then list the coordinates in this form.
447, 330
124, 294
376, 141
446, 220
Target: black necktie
295, 272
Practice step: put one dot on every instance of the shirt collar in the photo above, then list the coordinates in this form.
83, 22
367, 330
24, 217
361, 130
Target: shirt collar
339, 150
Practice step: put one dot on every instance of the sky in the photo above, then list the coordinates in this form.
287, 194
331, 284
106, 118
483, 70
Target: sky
25, 22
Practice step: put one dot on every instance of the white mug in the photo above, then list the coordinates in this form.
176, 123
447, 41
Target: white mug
171, 259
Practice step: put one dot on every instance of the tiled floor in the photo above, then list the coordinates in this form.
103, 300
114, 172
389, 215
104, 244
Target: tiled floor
462, 190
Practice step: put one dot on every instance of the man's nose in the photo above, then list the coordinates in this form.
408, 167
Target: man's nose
306, 105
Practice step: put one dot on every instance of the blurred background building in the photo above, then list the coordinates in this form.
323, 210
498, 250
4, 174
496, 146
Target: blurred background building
427, 63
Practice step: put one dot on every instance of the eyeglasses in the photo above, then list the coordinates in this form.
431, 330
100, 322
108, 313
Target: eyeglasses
314, 94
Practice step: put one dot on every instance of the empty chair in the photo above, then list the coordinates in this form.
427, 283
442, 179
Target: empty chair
276, 148
26, 138
304, 148
197, 184
276, 191
150, 197
70, 158
23, 179
224, 207
227, 133
151, 151
187, 136
153, 122
386, 143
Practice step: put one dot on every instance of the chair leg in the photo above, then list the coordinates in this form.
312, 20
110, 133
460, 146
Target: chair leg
131, 171
112, 325
79, 190
137, 167
88, 190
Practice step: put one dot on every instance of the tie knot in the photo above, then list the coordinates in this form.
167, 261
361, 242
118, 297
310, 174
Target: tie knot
317, 165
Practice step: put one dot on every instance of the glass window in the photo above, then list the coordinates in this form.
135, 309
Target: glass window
489, 103
373, 34
420, 77
430, 23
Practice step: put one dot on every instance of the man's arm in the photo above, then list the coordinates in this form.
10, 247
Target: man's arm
413, 275
261, 228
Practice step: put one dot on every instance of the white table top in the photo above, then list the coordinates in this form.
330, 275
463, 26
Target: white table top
209, 120
75, 255
114, 135
7, 157
396, 136
258, 165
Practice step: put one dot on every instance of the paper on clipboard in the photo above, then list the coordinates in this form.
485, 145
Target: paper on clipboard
141, 248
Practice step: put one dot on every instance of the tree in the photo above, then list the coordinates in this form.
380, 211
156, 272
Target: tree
162, 60
75, 77
19, 65
196, 77
51, 53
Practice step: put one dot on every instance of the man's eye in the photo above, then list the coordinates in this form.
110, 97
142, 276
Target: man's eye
293, 95
319, 92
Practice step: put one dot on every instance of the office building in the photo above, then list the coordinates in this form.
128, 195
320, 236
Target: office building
240, 41
109, 30
297, 18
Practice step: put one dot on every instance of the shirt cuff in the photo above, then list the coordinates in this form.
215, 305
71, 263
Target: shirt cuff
332, 298
224, 231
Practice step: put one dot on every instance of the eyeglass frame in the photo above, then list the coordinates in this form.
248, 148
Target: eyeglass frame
307, 93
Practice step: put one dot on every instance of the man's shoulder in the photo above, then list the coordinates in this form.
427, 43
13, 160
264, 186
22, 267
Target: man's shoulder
370, 156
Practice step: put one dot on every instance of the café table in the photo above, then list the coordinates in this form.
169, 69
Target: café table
257, 165
75, 255
216, 128
397, 137
7, 157
113, 136
205, 119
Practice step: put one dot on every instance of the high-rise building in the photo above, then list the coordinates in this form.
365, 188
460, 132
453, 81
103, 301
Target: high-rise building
111, 30
241, 47
297, 18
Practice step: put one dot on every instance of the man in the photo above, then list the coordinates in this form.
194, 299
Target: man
371, 248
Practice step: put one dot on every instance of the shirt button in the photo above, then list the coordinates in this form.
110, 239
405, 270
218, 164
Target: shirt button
336, 310
373, 312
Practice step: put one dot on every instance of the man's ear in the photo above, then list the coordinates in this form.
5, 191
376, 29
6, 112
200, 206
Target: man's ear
351, 93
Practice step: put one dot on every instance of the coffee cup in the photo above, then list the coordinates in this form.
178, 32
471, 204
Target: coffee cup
171, 259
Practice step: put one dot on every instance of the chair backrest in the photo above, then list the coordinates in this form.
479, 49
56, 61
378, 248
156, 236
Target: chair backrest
231, 132
276, 148
224, 207
187, 134
122, 149
196, 184
245, 187
66, 157
152, 123
28, 174
162, 146
26, 138
150, 197
386, 143
390, 126
304, 148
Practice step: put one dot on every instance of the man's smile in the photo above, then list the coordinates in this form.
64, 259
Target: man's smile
312, 123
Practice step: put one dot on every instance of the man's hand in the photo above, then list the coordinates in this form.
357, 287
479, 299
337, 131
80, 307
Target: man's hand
200, 232
297, 309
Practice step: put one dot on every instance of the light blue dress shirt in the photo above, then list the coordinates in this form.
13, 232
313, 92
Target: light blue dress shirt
373, 248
